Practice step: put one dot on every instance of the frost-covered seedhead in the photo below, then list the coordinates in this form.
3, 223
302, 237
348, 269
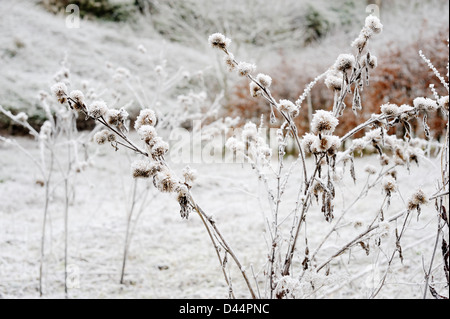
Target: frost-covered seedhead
369, 60
389, 185
219, 41
117, 118
373, 23
255, 89
370, 169
165, 181
98, 109
425, 104
390, 109
334, 80
235, 145
325, 144
159, 149
417, 200
147, 133
344, 62
264, 80
141, 169
104, 136
60, 91
245, 68
146, 117
230, 62
288, 106
308, 140
324, 122
78, 97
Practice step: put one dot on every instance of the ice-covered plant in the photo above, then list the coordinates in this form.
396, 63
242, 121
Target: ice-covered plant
153, 165
58, 132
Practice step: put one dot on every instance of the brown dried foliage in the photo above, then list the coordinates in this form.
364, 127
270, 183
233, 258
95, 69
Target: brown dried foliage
400, 77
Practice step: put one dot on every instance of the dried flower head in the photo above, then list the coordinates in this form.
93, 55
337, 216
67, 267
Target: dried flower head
78, 97
245, 68
374, 136
358, 144
344, 62
264, 80
183, 198
334, 80
369, 60
373, 23
219, 41
334, 145
326, 143
159, 149
370, 169
147, 133
308, 140
117, 117
98, 109
390, 109
165, 182
59, 90
235, 145
141, 169
255, 89
425, 104
287, 106
317, 188
324, 122
146, 117
384, 160
104, 136
417, 199
230, 62
360, 42
389, 185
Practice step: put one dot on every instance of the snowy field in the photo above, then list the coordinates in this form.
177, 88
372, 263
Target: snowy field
173, 258
361, 229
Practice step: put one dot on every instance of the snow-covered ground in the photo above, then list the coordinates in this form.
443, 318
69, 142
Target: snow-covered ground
173, 258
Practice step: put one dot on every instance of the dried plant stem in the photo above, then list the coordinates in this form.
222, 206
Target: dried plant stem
399, 236
226, 246
217, 249
275, 221
127, 233
66, 202
305, 207
356, 240
427, 274
44, 222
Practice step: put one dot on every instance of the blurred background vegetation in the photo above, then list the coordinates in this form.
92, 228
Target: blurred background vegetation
291, 40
